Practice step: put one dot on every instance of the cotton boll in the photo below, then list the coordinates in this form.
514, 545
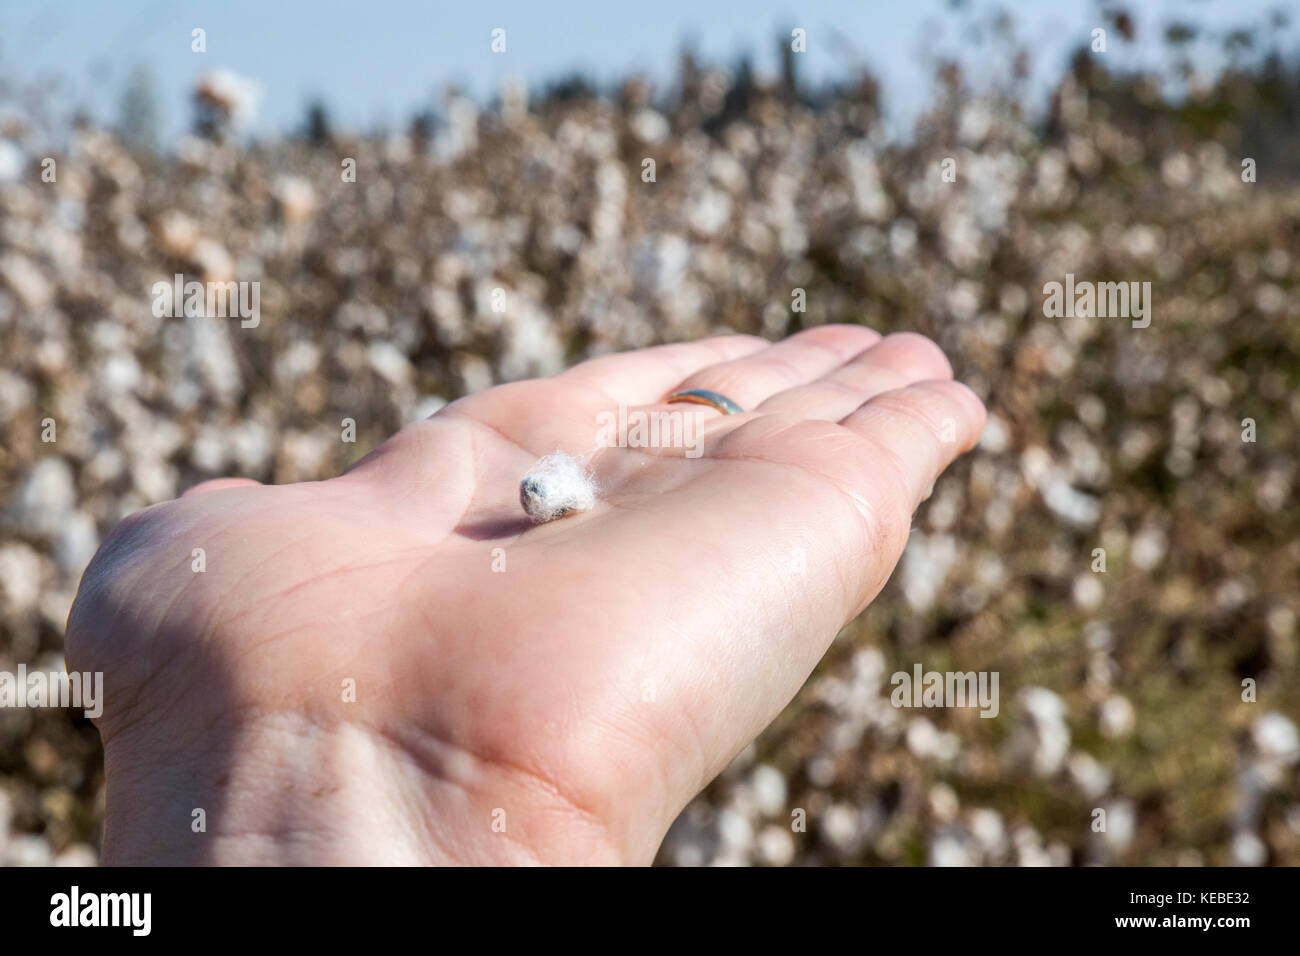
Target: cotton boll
556, 486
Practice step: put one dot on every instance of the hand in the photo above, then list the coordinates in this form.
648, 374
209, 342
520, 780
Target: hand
564, 709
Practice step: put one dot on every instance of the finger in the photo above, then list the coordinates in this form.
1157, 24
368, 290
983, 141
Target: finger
643, 376
915, 432
896, 361
219, 484
797, 360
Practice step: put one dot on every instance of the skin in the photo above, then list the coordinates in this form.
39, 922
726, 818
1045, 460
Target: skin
562, 710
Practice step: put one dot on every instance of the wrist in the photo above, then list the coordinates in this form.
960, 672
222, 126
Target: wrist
282, 790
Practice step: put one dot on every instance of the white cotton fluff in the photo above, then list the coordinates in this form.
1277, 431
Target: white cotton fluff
556, 486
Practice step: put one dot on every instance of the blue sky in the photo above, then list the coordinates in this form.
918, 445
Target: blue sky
381, 60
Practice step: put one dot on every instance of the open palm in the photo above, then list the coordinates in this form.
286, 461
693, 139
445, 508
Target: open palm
396, 665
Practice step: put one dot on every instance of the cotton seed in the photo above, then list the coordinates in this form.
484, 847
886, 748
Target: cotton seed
556, 486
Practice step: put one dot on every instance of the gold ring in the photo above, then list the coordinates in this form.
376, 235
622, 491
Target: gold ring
702, 396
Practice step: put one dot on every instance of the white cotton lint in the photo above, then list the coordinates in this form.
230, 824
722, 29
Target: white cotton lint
556, 486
